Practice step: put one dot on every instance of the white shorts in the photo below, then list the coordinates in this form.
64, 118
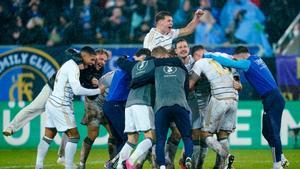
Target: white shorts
60, 117
139, 118
228, 122
220, 115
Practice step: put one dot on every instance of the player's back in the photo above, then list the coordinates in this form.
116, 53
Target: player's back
221, 79
170, 87
142, 95
259, 76
62, 92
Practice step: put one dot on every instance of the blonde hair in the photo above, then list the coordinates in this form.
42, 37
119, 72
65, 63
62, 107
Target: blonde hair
159, 51
104, 51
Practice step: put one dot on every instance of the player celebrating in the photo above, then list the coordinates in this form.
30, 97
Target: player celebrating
202, 92
139, 115
260, 77
37, 106
93, 106
163, 34
220, 115
172, 106
59, 107
183, 51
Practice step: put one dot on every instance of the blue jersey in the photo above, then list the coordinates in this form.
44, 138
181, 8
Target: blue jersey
119, 88
259, 76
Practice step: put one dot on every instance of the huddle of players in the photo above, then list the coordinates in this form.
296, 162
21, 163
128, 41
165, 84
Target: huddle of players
160, 77
58, 98
210, 99
195, 99
169, 106
168, 75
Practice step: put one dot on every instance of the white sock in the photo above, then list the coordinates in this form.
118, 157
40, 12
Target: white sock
284, 162
196, 154
283, 157
125, 153
153, 149
225, 144
216, 146
62, 146
141, 149
42, 151
70, 151
277, 165
162, 167
142, 158
115, 158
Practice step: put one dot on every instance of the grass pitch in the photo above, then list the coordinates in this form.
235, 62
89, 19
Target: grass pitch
244, 159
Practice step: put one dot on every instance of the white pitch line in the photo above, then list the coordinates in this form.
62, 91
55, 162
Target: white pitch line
101, 161
46, 165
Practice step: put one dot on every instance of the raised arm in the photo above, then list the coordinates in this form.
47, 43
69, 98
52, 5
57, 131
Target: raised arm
190, 27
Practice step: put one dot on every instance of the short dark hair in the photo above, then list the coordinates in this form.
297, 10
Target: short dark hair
161, 15
143, 51
74, 54
240, 49
88, 50
180, 40
195, 48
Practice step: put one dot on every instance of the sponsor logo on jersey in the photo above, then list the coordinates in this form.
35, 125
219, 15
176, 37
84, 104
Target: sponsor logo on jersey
170, 69
142, 65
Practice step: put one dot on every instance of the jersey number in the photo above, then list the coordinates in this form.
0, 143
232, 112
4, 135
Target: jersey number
221, 70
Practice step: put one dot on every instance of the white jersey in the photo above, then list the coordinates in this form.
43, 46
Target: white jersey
154, 39
234, 71
67, 84
221, 79
106, 80
190, 64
